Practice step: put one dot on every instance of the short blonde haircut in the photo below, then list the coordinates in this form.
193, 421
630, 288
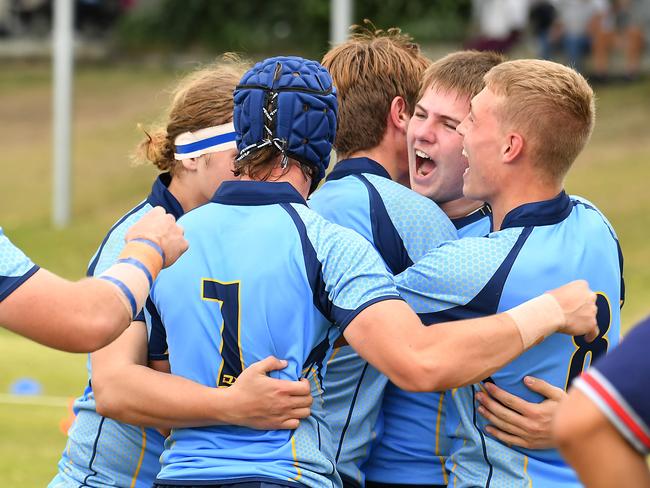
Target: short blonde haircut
462, 72
202, 99
550, 104
369, 70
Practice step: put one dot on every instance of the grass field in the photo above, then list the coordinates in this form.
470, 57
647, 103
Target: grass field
612, 172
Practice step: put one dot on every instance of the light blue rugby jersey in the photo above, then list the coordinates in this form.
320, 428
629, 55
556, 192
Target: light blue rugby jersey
402, 226
15, 267
101, 451
414, 444
263, 275
541, 246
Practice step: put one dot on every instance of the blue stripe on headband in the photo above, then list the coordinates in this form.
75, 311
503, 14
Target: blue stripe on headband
205, 143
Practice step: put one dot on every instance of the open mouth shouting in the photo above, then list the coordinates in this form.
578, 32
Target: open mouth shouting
424, 165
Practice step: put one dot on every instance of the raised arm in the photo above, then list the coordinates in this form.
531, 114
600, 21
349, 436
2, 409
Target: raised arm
88, 314
390, 336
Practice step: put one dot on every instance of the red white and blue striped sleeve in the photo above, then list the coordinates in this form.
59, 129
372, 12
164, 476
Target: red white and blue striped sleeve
619, 386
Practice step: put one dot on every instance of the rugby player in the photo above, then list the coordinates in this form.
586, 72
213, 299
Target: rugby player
602, 426
522, 134
108, 444
376, 75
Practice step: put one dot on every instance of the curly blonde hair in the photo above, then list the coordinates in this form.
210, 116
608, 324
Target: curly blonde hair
201, 99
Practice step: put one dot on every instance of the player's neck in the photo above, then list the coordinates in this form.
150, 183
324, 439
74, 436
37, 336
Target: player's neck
392, 159
185, 193
461, 207
292, 175
517, 196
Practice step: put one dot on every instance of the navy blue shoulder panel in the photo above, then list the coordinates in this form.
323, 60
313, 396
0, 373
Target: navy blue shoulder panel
486, 302
387, 240
93, 265
313, 266
158, 335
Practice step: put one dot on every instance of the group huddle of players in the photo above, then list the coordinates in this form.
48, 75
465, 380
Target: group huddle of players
445, 208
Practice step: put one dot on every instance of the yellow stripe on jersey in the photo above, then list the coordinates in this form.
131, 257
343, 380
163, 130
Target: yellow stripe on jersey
530, 481
295, 459
442, 458
137, 469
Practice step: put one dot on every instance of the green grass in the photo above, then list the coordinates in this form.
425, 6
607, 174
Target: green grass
612, 172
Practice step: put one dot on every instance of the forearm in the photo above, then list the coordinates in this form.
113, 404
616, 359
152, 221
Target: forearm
455, 354
139, 395
71, 316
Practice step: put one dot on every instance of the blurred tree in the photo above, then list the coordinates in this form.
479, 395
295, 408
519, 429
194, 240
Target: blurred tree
290, 26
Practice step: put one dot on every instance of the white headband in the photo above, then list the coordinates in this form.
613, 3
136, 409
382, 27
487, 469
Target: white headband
204, 141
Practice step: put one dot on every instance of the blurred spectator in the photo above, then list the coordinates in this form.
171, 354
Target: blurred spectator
542, 17
499, 22
626, 29
577, 23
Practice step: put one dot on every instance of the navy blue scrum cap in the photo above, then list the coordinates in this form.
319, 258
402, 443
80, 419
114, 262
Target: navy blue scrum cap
290, 103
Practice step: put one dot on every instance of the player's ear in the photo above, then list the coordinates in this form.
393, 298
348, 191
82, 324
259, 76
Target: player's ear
190, 164
513, 147
398, 115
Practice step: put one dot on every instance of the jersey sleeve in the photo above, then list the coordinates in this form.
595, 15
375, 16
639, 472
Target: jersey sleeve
617, 384
15, 267
346, 272
446, 284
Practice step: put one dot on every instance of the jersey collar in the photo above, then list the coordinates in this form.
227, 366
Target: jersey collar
357, 166
160, 195
546, 212
256, 193
472, 217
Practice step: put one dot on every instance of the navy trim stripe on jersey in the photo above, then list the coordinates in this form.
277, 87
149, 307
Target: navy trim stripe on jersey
357, 166
385, 236
547, 212
313, 266
94, 454
483, 444
475, 216
486, 302
249, 193
618, 245
350, 410
9, 284
239, 482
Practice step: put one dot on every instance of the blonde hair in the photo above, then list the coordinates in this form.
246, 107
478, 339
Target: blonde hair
202, 99
552, 105
369, 70
462, 72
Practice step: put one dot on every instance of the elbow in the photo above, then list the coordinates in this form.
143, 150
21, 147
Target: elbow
106, 404
424, 374
100, 331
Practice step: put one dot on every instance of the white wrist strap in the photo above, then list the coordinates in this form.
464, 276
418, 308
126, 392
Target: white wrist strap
537, 319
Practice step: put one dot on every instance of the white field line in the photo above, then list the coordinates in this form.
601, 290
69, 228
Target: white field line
36, 400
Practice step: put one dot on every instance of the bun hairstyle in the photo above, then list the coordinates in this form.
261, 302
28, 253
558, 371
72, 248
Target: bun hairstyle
201, 99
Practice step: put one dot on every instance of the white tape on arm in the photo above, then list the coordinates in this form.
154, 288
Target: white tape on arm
537, 319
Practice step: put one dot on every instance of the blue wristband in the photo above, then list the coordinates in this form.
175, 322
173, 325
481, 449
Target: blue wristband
138, 264
125, 289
